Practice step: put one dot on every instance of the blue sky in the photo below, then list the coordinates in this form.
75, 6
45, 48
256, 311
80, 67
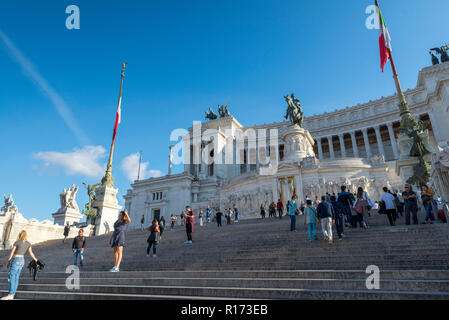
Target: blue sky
184, 56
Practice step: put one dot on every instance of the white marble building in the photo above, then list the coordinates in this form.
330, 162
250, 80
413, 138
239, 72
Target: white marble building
355, 146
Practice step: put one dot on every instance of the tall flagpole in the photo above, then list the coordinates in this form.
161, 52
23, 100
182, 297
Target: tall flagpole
140, 161
107, 179
411, 129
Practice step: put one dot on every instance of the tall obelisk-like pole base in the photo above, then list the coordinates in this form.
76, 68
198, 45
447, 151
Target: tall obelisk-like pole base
108, 209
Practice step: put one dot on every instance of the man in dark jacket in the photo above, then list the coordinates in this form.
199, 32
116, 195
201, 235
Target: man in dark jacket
326, 214
218, 215
338, 216
78, 245
347, 200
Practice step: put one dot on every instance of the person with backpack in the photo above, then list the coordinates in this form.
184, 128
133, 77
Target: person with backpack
78, 246
16, 262
272, 210
326, 216
293, 212
388, 206
410, 204
360, 209
154, 237
310, 219
347, 200
338, 217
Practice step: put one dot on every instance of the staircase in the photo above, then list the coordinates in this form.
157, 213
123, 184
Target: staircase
254, 259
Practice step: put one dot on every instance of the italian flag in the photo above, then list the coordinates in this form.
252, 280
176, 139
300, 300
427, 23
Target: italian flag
384, 39
118, 117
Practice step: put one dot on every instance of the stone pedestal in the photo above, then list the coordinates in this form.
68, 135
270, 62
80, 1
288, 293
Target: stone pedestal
405, 163
108, 209
64, 215
298, 144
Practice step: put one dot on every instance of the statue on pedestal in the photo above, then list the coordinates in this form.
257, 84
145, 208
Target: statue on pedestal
9, 205
294, 110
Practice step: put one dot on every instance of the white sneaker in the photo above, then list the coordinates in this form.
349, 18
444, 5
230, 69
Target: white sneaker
154, 256
8, 297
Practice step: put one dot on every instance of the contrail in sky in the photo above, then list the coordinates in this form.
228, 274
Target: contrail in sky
58, 102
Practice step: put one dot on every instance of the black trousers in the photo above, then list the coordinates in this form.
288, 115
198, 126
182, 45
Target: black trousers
219, 222
391, 214
413, 209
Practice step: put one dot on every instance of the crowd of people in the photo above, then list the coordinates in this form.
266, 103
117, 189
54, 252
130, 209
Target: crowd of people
345, 210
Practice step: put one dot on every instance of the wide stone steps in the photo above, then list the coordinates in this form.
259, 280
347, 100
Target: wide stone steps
254, 259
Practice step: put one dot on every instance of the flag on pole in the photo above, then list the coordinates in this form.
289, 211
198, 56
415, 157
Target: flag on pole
384, 39
118, 117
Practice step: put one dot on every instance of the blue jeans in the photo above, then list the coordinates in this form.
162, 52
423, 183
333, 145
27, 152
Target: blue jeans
14, 274
340, 225
77, 253
151, 243
312, 229
429, 213
292, 222
236, 217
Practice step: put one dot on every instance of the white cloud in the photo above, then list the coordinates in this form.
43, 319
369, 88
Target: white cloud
130, 166
58, 102
83, 161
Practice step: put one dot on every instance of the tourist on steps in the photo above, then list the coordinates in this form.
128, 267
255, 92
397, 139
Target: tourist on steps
16, 261
218, 216
117, 240
162, 225
154, 237
228, 216
201, 218
262, 211
66, 232
142, 222
347, 200
236, 214
208, 213
326, 214
78, 246
310, 219
389, 206
338, 217
410, 204
360, 207
280, 208
293, 212
182, 218
427, 198
188, 217
272, 210
173, 220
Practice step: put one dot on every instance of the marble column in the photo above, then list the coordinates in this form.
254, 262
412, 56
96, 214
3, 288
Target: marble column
354, 145
320, 149
342, 145
367, 145
331, 147
380, 144
394, 143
